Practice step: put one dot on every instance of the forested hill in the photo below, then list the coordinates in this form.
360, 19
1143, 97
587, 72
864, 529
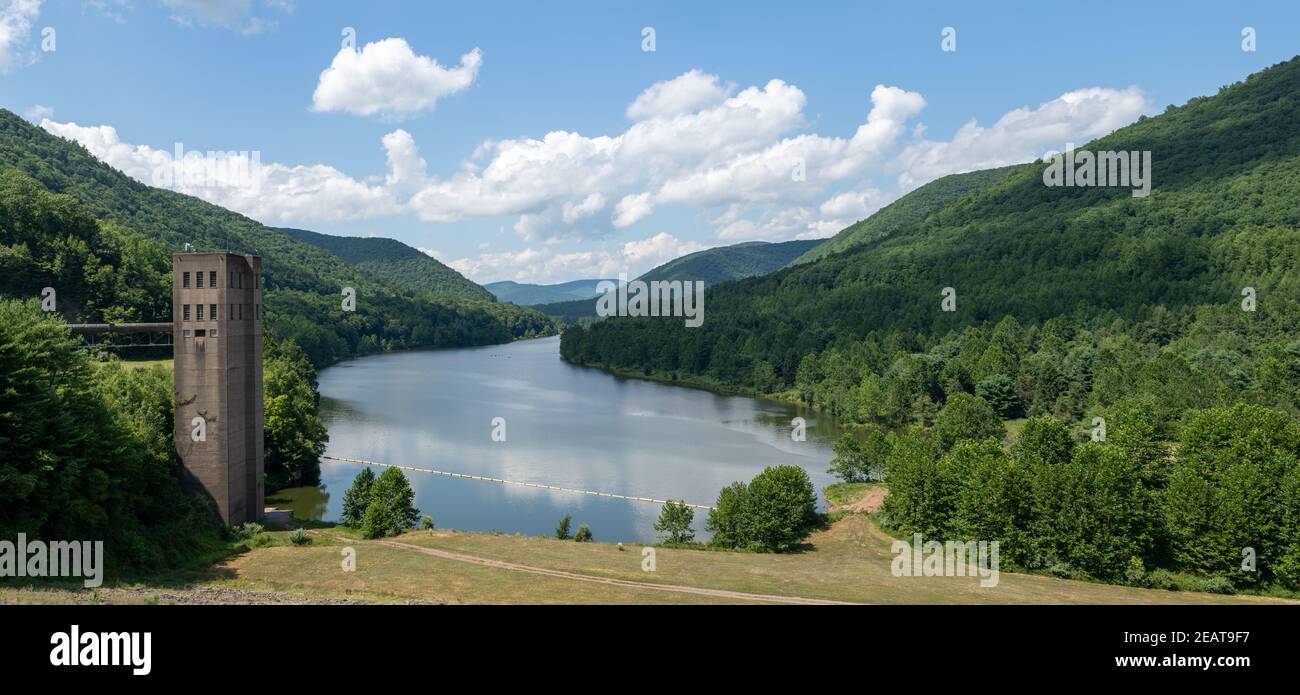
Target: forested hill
910, 209
101, 225
734, 262
1223, 216
713, 266
395, 263
528, 294
1144, 347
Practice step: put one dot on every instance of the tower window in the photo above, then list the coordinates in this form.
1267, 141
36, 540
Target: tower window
186, 314
212, 278
212, 311
198, 312
185, 280
198, 279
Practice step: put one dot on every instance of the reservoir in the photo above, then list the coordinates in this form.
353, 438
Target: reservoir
566, 426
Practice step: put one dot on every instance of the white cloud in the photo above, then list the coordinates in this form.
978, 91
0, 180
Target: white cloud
589, 206
16, 19
545, 265
1023, 134
685, 93
39, 113
387, 78
267, 191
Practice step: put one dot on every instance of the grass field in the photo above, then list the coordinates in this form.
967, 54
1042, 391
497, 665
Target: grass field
849, 561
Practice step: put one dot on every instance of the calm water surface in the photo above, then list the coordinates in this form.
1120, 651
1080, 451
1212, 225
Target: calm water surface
567, 426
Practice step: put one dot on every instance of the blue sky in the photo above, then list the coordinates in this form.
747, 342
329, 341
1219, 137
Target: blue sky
748, 121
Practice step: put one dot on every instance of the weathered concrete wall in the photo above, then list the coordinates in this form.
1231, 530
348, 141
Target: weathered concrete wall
218, 377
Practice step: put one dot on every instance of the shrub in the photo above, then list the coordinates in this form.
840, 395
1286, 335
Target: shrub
675, 520
426, 523
300, 537
773, 513
562, 531
583, 535
357, 499
391, 506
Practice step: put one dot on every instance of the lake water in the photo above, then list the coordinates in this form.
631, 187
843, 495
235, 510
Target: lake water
567, 426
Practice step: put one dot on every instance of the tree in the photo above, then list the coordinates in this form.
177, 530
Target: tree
966, 417
780, 509
357, 499
583, 535
859, 460
562, 531
675, 519
726, 521
1000, 393
294, 434
392, 508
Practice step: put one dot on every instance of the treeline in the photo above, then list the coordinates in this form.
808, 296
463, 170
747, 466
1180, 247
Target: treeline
1216, 510
86, 450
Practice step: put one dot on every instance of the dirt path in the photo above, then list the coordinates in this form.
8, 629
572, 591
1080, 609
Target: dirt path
515, 567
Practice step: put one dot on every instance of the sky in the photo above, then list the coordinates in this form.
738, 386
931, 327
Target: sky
546, 142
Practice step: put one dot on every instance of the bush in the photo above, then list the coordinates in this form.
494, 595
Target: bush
966, 417
426, 523
391, 507
248, 530
675, 520
583, 535
772, 514
357, 499
562, 531
300, 537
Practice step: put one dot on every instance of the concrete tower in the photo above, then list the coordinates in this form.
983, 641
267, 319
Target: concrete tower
217, 307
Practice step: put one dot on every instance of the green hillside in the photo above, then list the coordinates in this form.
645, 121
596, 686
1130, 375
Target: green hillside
727, 263
101, 228
713, 266
395, 263
910, 209
527, 294
1150, 341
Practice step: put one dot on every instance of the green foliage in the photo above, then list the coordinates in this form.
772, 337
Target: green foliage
562, 531
583, 534
392, 506
773, 513
1000, 393
294, 434
395, 263
675, 521
861, 459
86, 451
357, 499
966, 417
734, 262
426, 523
300, 537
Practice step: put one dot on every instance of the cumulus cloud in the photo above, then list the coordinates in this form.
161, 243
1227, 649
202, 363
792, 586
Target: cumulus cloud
685, 93
16, 19
545, 265
267, 191
387, 78
1023, 134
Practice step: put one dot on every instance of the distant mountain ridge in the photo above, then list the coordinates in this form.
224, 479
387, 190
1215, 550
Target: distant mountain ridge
714, 266
396, 263
529, 294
